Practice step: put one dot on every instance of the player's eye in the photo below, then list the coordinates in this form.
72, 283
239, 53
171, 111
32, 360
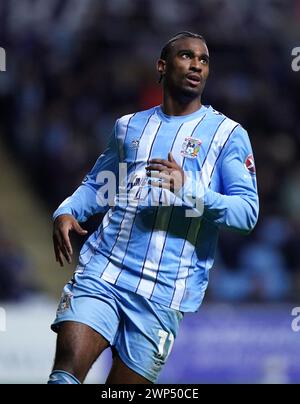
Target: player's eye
204, 61
186, 55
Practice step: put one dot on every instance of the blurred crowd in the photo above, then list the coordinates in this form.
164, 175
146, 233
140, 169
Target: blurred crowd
74, 66
16, 270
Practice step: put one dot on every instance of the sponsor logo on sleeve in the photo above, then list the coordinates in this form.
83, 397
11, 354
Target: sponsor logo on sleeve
250, 165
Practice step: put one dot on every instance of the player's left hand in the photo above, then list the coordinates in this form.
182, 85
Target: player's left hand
171, 174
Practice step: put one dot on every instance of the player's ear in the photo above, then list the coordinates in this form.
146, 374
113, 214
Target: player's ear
161, 68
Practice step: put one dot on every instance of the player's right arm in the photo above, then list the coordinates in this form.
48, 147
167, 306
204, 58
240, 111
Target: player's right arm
62, 226
87, 200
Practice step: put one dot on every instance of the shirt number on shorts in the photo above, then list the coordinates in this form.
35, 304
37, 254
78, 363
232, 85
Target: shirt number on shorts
163, 336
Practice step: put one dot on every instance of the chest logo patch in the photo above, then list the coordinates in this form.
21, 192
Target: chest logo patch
191, 147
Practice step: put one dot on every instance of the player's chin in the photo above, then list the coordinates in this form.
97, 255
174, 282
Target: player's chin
192, 92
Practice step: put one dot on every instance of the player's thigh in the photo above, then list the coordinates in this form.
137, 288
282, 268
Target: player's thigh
120, 373
78, 346
87, 320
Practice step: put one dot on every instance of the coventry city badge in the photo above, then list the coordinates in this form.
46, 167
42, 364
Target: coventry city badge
190, 147
65, 302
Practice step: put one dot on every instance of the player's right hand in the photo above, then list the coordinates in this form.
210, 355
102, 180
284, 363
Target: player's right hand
63, 224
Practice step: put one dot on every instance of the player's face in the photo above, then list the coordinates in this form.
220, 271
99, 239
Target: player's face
186, 68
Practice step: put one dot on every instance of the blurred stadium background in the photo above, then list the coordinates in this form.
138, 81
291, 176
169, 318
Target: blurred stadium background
73, 67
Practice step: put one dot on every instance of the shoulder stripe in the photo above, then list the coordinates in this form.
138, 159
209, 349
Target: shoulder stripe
223, 147
221, 136
122, 126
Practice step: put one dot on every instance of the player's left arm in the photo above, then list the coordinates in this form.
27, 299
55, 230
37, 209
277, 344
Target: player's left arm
238, 205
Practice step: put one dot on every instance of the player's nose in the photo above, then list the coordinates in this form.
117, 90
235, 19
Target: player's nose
196, 65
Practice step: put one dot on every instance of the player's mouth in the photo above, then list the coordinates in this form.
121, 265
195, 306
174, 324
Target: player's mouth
194, 79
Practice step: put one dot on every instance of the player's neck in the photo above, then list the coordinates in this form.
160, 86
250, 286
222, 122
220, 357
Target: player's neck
175, 107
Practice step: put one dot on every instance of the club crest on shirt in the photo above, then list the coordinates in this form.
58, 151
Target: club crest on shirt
250, 165
65, 302
190, 147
